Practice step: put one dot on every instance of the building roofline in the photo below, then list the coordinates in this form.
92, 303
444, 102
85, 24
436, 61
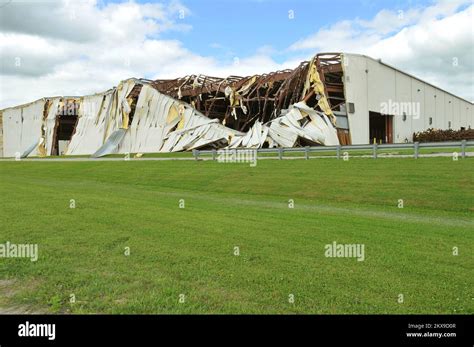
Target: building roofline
407, 74
143, 81
40, 99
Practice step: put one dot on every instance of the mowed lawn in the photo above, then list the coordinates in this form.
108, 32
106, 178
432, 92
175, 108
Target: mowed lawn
183, 260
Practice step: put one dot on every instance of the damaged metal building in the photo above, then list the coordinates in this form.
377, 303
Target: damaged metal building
333, 99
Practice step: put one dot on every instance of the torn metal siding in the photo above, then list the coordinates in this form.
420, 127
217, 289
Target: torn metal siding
163, 124
100, 116
49, 124
282, 109
238, 102
110, 146
91, 125
30, 129
302, 122
159, 123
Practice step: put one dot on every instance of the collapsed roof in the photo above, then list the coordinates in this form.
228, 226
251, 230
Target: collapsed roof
238, 101
281, 109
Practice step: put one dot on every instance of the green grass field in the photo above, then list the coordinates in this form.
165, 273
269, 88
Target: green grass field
190, 250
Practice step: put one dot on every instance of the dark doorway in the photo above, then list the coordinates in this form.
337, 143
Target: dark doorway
66, 121
381, 128
63, 135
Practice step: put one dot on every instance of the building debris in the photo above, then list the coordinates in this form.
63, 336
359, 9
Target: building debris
281, 109
333, 99
434, 135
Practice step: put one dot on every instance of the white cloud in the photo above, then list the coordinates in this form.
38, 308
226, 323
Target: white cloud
422, 41
34, 57
78, 48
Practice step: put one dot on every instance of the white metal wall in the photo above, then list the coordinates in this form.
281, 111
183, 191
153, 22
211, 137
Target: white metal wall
369, 84
355, 86
22, 127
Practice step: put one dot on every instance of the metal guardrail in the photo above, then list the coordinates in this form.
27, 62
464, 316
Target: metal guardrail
462, 145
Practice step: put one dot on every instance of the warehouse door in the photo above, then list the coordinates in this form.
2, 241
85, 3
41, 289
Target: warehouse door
381, 128
65, 127
66, 121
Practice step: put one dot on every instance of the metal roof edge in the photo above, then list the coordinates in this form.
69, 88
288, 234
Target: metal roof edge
137, 80
407, 74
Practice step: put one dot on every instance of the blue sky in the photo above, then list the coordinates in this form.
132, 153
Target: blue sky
80, 47
227, 28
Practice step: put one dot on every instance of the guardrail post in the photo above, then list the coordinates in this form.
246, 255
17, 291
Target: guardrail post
463, 148
196, 154
416, 147
338, 152
306, 152
280, 153
374, 146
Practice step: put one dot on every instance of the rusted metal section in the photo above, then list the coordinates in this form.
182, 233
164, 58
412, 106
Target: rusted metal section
238, 102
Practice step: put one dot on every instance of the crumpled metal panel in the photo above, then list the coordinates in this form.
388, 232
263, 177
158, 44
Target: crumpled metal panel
192, 112
110, 146
31, 148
